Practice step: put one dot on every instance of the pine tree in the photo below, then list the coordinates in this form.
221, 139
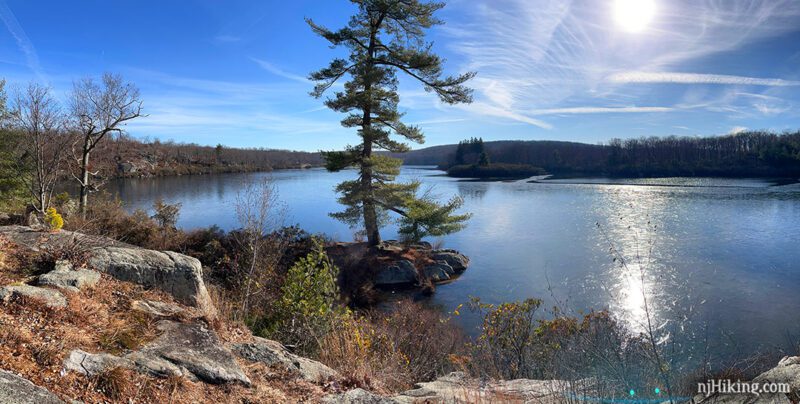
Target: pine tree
383, 38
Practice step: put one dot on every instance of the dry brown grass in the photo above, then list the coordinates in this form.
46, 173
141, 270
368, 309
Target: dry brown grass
389, 352
15, 263
35, 340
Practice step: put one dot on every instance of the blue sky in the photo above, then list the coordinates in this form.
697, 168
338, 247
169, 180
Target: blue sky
233, 72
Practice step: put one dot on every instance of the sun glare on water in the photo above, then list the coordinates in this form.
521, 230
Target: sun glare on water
634, 15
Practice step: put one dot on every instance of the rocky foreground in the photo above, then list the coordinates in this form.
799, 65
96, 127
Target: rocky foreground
169, 337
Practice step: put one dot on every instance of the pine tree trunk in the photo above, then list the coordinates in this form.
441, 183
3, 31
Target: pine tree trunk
370, 214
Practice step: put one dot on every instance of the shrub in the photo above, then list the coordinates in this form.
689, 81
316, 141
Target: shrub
54, 220
390, 351
308, 306
514, 343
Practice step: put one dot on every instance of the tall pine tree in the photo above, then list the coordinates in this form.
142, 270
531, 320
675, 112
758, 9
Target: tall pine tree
383, 38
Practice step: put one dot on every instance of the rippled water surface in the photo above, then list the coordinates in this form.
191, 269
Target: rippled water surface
718, 259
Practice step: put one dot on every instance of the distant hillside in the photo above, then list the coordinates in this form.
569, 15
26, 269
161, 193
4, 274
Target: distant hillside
550, 154
752, 153
127, 157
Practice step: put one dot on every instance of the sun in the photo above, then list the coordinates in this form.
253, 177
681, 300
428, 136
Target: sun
634, 15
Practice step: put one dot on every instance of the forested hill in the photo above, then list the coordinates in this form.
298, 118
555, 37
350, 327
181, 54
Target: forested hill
743, 154
128, 157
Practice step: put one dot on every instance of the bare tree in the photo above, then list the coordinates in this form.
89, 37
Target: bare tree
37, 115
100, 109
259, 213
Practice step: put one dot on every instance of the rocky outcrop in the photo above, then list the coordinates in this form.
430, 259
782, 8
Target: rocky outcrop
177, 274
439, 271
157, 309
193, 347
787, 372
272, 353
459, 262
358, 396
73, 280
18, 390
93, 364
401, 272
51, 298
456, 388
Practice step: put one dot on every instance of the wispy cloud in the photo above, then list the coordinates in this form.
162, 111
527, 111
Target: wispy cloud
278, 71
23, 42
696, 78
206, 111
552, 54
599, 110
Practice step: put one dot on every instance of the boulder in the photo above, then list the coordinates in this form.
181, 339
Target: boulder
176, 274
156, 308
93, 364
272, 353
193, 347
787, 371
459, 262
456, 388
396, 273
64, 277
17, 390
439, 271
179, 275
51, 298
158, 366
357, 396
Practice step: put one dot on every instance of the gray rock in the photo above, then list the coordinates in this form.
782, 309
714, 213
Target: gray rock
64, 277
357, 396
177, 274
92, 364
157, 309
439, 271
397, 273
158, 366
195, 348
17, 390
457, 388
51, 298
787, 371
459, 262
272, 353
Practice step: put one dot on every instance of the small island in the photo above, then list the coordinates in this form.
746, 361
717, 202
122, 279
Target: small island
472, 161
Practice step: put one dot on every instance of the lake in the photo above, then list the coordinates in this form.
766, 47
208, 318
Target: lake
719, 258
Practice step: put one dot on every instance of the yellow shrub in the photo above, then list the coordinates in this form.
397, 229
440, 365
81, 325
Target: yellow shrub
53, 219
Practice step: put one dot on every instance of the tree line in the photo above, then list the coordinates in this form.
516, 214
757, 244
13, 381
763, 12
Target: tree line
82, 141
750, 153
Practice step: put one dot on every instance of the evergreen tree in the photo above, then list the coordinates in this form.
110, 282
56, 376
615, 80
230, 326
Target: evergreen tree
483, 159
383, 38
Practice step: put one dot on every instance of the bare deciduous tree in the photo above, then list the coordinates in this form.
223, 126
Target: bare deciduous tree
259, 213
100, 110
37, 115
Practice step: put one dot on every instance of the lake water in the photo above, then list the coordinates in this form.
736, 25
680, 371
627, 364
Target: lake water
724, 255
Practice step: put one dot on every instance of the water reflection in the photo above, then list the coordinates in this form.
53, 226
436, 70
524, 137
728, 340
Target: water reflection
723, 251
630, 219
